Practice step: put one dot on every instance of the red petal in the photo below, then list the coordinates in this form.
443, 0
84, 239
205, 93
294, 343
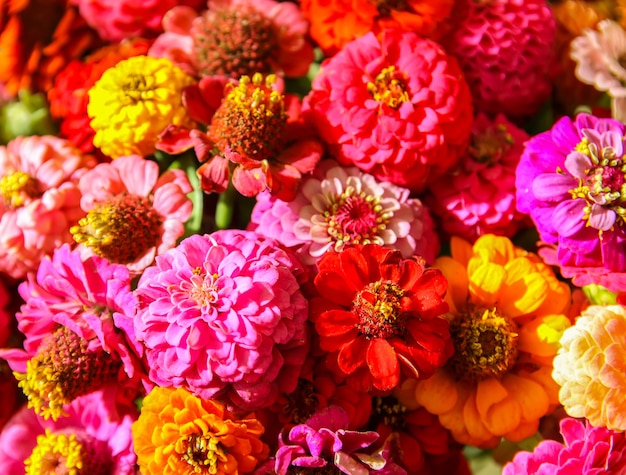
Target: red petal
383, 364
352, 355
174, 140
335, 322
249, 182
283, 181
303, 155
214, 175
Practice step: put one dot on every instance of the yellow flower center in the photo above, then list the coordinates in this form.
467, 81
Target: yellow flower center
64, 369
489, 146
121, 230
203, 452
389, 411
17, 188
485, 344
251, 119
389, 88
378, 308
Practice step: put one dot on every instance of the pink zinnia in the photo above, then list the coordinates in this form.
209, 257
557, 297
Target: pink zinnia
94, 438
397, 108
585, 450
223, 316
477, 196
39, 199
340, 206
133, 213
237, 37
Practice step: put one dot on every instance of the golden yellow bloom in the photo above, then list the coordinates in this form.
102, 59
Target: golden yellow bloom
507, 314
178, 433
591, 367
133, 102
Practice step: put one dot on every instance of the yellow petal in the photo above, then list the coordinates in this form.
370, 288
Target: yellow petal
485, 284
499, 249
523, 295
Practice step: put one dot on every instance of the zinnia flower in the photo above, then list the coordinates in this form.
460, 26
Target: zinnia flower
341, 206
477, 196
223, 316
507, 313
133, 102
589, 367
94, 438
39, 199
235, 38
337, 22
500, 45
133, 213
178, 433
570, 180
398, 108
378, 312
585, 449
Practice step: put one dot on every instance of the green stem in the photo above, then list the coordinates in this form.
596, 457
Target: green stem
189, 164
225, 207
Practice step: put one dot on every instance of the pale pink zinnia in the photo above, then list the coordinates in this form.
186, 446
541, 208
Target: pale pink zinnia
133, 213
223, 316
237, 37
340, 206
39, 199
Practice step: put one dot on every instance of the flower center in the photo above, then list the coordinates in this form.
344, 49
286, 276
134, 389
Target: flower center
201, 288
233, 42
137, 88
64, 369
67, 455
203, 452
604, 185
389, 411
121, 229
328, 469
491, 145
386, 6
251, 119
301, 403
17, 188
485, 344
389, 87
378, 308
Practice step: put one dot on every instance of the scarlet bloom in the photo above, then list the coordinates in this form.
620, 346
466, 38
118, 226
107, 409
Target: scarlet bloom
378, 310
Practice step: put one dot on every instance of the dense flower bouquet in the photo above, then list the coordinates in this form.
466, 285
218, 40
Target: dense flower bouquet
312, 237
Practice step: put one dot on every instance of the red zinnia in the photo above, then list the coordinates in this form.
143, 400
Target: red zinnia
377, 310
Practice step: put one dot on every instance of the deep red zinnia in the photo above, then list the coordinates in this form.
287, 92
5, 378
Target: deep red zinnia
378, 310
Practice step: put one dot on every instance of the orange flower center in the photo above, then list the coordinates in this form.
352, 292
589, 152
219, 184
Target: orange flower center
378, 307
251, 119
302, 402
389, 88
485, 344
203, 452
489, 146
17, 188
389, 411
121, 229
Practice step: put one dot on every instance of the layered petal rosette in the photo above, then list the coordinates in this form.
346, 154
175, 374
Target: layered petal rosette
223, 316
398, 108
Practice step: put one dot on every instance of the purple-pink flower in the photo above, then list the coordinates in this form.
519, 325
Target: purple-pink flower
223, 316
585, 450
572, 181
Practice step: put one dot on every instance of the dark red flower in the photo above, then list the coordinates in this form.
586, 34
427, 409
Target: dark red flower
378, 310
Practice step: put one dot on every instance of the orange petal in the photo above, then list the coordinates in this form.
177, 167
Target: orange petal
499, 249
438, 394
530, 396
524, 290
458, 282
485, 284
461, 250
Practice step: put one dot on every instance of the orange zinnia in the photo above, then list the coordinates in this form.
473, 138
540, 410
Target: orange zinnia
37, 39
507, 316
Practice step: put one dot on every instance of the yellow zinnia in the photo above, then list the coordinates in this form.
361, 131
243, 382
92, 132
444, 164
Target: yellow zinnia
591, 367
133, 102
507, 316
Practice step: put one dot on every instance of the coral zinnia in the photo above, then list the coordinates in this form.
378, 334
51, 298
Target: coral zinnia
590, 367
507, 315
223, 316
572, 181
178, 433
378, 312
398, 108
133, 102
340, 206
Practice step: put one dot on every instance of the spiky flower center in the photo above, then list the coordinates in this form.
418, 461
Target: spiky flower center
67, 455
389, 411
251, 119
485, 344
302, 402
233, 42
378, 307
202, 289
138, 87
491, 145
121, 229
604, 185
202, 451
389, 87
64, 369
17, 188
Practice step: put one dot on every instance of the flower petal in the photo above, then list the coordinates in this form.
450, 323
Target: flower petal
383, 364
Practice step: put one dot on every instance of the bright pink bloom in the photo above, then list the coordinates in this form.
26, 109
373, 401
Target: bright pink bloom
340, 206
39, 199
133, 213
398, 108
477, 196
237, 37
223, 316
